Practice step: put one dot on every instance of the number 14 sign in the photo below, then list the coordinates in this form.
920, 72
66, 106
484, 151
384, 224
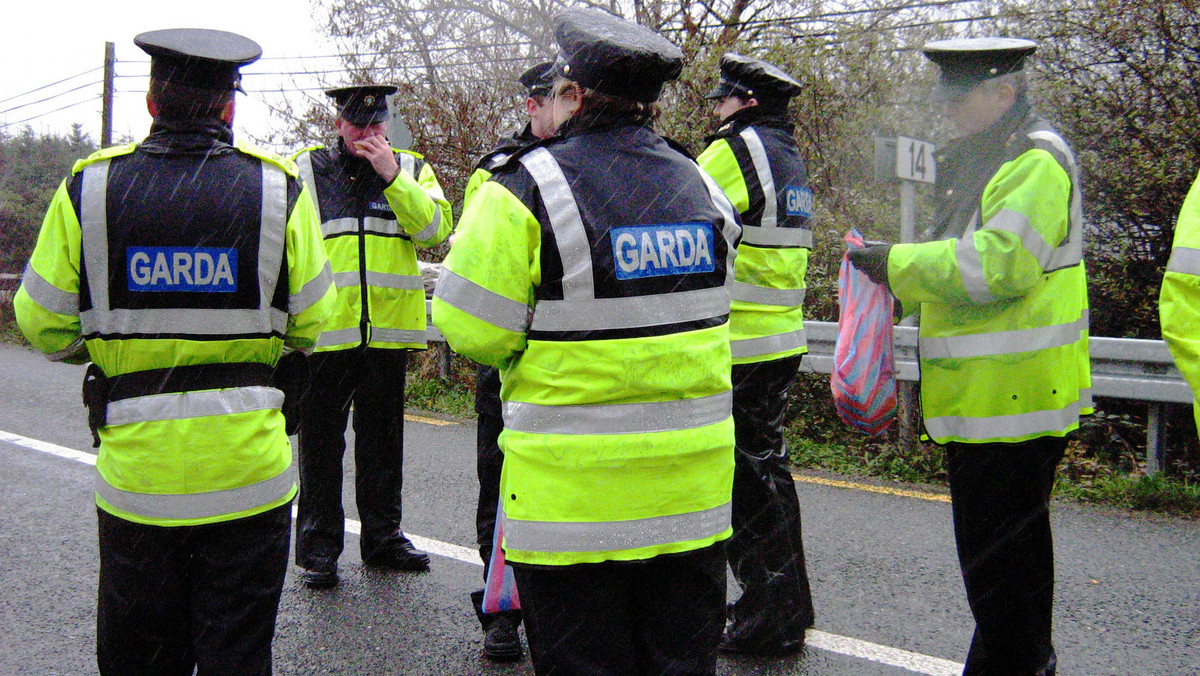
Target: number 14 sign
914, 160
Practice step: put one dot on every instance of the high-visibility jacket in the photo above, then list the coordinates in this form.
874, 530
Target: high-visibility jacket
496, 157
370, 230
162, 257
756, 161
1179, 299
594, 272
1004, 315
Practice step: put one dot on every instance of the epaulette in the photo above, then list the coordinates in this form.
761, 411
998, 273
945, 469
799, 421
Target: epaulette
283, 163
514, 159
103, 154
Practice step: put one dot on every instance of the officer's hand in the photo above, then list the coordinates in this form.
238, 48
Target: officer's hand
379, 153
872, 260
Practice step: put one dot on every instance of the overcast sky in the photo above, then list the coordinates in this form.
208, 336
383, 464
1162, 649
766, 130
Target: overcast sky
54, 40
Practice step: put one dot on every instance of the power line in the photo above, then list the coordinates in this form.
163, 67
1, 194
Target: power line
70, 105
50, 98
31, 91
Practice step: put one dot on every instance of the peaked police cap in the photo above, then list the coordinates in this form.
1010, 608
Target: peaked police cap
614, 56
966, 62
539, 80
362, 105
198, 57
753, 78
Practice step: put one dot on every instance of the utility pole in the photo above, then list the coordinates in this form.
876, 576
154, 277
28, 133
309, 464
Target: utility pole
106, 113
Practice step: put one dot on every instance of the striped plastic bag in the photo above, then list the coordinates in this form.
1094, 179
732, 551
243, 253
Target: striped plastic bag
863, 378
500, 589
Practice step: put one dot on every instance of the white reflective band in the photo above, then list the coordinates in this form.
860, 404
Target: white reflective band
199, 322
374, 225
632, 312
198, 404
340, 337
602, 536
643, 418
762, 167
379, 335
431, 230
311, 292
408, 164
93, 226
780, 342
1049, 258
304, 162
47, 295
198, 505
463, 294
970, 268
272, 232
1184, 260
1004, 342
1005, 426
569, 233
732, 229
339, 226
1070, 252
776, 236
762, 295
1085, 398
379, 280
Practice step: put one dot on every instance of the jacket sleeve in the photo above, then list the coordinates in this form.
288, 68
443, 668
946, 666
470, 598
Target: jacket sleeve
311, 293
483, 297
47, 302
477, 178
420, 206
1179, 299
1025, 216
719, 162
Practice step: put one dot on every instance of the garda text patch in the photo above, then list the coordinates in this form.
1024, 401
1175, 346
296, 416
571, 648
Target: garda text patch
181, 268
664, 249
799, 201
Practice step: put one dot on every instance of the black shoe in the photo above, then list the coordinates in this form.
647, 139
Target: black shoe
399, 555
742, 639
322, 577
501, 643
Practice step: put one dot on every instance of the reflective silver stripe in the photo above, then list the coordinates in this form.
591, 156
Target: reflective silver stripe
632, 312
313, 291
397, 336
752, 293
304, 162
93, 226
408, 164
643, 418
1004, 342
762, 167
339, 226
970, 268
198, 505
569, 233
780, 342
382, 226
379, 280
463, 294
49, 296
339, 337
1070, 251
602, 536
198, 404
1048, 257
272, 231
199, 322
776, 236
431, 230
1004, 426
1184, 260
732, 230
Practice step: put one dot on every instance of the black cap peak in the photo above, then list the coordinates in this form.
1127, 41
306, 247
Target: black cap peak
966, 62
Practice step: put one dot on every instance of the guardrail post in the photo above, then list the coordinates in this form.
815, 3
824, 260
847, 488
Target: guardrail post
1156, 438
444, 358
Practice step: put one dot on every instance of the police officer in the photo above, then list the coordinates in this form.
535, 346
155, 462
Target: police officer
184, 264
375, 203
501, 641
755, 160
592, 269
1005, 373
1179, 299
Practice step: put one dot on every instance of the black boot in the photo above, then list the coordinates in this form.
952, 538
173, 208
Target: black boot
501, 642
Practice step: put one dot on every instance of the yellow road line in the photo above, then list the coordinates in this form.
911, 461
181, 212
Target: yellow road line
428, 421
934, 497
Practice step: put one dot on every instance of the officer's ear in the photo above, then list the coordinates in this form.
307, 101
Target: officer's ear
151, 106
227, 112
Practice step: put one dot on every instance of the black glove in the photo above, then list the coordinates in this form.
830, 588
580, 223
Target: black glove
872, 260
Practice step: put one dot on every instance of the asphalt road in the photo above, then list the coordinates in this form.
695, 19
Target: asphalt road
887, 590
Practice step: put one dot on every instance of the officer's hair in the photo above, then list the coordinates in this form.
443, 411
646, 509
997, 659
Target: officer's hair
598, 109
181, 102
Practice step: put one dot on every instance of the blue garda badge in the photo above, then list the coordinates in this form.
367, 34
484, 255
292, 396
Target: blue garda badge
380, 206
799, 201
181, 268
664, 249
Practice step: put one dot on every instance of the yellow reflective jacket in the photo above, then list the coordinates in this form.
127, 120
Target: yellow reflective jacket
1179, 299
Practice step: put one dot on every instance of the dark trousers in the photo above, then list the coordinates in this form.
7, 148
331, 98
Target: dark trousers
766, 552
1000, 497
373, 379
190, 597
659, 617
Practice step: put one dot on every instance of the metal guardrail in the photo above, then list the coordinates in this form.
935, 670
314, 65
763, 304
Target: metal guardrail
1122, 368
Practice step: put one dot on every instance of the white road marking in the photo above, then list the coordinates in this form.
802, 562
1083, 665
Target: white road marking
842, 645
